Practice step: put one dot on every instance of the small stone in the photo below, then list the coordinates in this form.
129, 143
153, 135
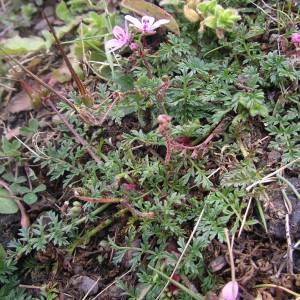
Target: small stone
84, 284
104, 244
100, 259
56, 119
218, 264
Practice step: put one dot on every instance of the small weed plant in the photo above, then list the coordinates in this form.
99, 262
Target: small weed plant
186, 125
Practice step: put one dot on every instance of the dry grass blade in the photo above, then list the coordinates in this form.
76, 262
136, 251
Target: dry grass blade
78, 138
269, 176
182, 254
111, 284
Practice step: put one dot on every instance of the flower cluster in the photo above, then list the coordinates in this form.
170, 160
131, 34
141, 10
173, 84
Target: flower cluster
146, 26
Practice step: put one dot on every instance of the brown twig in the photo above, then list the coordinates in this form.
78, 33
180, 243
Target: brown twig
3, 6
164, 128
111, 106
146, 63
116, 97
290, 261
161, 92
83, 92
78, 138
205, 143
127, 205
136, 212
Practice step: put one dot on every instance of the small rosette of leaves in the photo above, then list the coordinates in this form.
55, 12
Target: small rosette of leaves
217, 18
212, 15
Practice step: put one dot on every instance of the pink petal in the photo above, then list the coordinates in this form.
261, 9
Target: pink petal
113, 45
159, 23
136, 22
230, 291
118, 31
295, 37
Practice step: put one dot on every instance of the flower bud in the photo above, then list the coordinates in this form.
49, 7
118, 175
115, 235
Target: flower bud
163, 119
75, 211
133, 46
295, 37
77, 203
191, 14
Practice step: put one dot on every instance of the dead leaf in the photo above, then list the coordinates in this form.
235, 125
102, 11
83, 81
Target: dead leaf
61, 75
19, 102
12, 133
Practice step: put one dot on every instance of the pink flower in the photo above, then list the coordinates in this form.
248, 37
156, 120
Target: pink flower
133, 46
295, 37
230, 291
122, 38
147, 24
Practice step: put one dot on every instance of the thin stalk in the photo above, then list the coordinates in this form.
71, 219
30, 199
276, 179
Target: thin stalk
83, 240
179, 285
78, 138
270, 285
180, 259
290, 185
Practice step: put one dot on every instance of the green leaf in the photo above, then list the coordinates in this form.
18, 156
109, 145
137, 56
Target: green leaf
190, 293
19, 189
97, 20
211, 22
19, 179
31, 129
30, 198
254, 102
60, 32
63, 12
10, 149
28, 10
7, 205
2, 252
2, 169
18, 45
124, 82
144, 8
207, 8
39, 188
